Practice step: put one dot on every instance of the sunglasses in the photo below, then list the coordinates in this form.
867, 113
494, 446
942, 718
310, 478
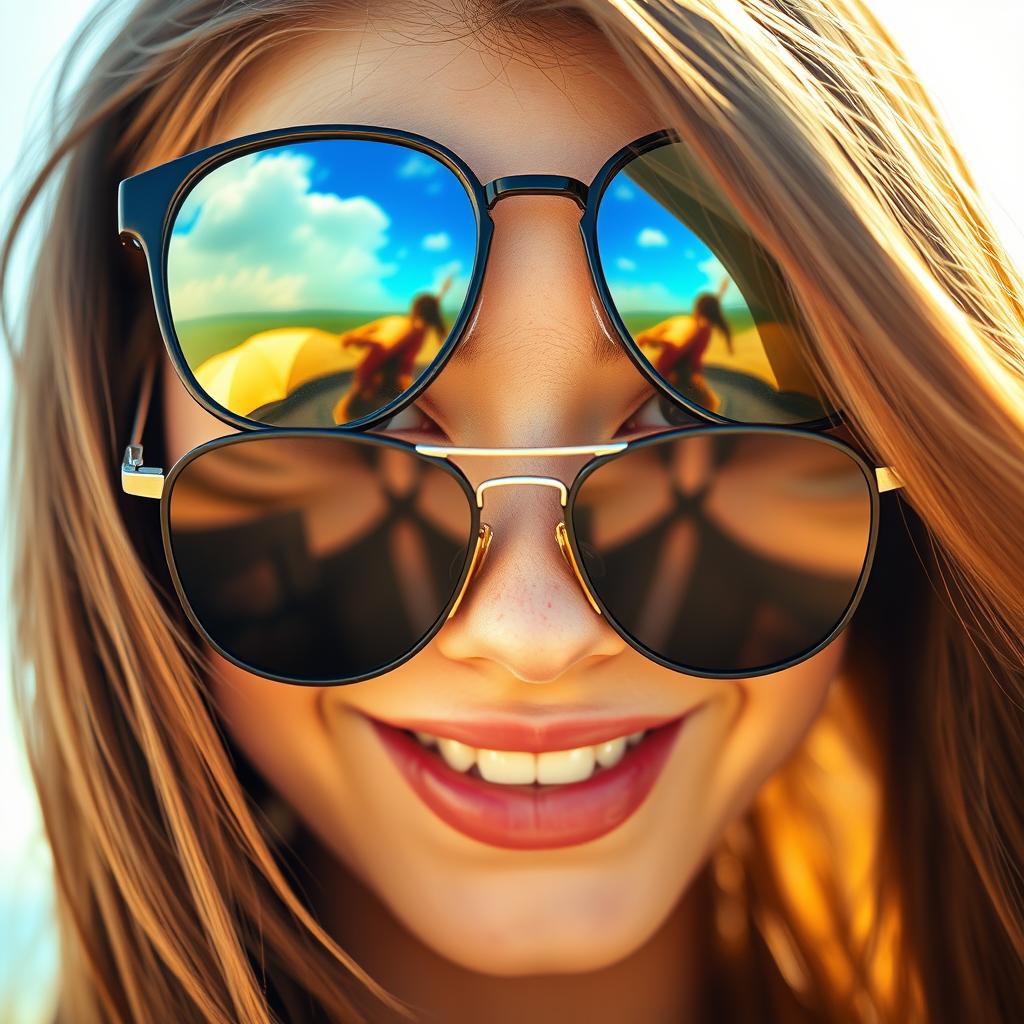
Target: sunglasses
322, 276
315, 555
326, 557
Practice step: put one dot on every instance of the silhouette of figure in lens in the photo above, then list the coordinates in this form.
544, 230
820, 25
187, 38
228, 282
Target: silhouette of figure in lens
392, 344
681, 362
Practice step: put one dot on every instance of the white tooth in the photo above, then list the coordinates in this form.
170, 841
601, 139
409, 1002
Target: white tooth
635, 737
507, 766
565, 765
426, 738
610, 752
459, 756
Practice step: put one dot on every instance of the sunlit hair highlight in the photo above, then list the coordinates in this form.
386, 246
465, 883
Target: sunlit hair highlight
877, 874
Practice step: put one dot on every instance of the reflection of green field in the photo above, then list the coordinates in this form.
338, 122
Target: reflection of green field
739, 320
205, 337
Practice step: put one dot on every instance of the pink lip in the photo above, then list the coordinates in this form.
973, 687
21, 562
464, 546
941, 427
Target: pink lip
531, 817
520, 734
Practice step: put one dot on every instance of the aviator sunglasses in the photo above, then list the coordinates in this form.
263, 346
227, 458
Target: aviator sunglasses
310, 282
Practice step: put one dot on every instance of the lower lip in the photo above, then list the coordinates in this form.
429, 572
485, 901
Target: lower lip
530, 817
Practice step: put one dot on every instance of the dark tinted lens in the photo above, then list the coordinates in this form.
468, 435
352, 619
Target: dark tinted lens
704, 301
317, 558
311, 284
726, 551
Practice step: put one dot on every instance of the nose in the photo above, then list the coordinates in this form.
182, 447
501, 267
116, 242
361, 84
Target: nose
529, 377
525, 610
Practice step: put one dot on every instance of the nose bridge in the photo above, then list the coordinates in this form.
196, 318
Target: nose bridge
506, 480
536, 185
526, 615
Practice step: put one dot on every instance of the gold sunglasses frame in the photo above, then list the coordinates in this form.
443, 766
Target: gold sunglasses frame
148, 481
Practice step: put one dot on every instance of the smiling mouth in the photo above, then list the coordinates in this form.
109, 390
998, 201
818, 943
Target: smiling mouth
531, 800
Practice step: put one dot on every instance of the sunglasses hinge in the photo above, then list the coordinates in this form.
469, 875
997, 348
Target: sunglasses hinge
887, 478
144, 481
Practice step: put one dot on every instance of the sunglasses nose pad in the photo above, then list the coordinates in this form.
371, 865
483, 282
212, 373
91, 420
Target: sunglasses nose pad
483, 542
562, 536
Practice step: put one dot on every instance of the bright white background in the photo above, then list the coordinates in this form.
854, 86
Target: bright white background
967, 55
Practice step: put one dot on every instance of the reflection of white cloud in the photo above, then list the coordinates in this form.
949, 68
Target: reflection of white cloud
625, 263
253, 236
437, 242
714, 273
636, 298
418, 166
623, 191
459, 285
651, 237
223, 178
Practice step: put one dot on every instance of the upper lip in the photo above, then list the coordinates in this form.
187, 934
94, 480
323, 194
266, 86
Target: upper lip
497, 732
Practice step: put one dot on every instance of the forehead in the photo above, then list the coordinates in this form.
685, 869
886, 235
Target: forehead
551, 97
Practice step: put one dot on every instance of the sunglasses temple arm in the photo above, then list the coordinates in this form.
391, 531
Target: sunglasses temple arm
144, 481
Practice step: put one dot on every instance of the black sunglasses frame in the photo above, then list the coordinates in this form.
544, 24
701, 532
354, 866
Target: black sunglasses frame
148, 204
472, 548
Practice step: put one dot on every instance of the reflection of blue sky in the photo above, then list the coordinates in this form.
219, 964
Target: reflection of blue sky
652, 260
346, 224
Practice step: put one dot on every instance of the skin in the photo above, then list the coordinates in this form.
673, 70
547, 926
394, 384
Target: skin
602, 928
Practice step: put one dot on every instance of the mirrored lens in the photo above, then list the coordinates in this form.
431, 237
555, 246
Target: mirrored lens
311, 284
726, 551
705, 303
317, 558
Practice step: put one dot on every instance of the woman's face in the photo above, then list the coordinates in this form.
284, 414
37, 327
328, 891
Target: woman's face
525, 665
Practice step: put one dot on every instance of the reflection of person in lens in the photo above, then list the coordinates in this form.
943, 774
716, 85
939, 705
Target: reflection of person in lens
681, 360
387, 368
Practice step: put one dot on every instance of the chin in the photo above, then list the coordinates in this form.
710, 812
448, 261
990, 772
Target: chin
530, 921
566, 947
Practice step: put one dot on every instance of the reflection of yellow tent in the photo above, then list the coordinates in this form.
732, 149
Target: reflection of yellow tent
270, 365
748, 356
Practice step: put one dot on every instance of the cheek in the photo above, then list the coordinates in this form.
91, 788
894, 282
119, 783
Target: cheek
281, 731
777, 712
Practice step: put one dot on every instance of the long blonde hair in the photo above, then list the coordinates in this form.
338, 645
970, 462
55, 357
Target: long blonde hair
877, 875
